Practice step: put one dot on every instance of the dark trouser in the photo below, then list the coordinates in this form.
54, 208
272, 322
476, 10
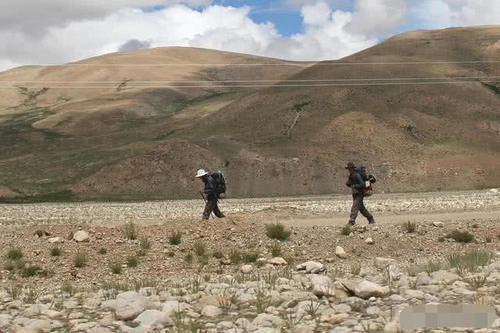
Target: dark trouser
359, 206
212, 206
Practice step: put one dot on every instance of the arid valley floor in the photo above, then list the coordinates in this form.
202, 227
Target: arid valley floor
228, 275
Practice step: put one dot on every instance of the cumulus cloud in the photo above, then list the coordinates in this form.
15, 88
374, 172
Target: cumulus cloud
445, 13
57, 31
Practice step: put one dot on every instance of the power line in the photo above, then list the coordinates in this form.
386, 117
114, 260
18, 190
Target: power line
126, 82
277, 85
291, 64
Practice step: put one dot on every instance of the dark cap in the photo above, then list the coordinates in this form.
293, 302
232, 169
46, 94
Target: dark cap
350, 165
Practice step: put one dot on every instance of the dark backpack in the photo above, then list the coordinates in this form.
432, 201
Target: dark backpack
368, 179
220, 182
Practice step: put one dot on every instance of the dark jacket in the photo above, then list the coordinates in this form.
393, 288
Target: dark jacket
356, 183
210, 187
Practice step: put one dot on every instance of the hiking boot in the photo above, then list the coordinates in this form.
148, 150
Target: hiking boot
351, 222
372, 221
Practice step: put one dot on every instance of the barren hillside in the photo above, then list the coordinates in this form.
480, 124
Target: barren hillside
420, 109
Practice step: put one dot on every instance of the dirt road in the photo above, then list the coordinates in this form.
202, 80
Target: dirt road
394, 218
321, 210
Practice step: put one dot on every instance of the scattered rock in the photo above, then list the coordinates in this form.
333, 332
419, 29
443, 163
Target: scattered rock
382, 263
366, 289
81, 236
322, 285
278, 261
246, 269
55, 240
339, 252
211, 311
153, 319
311, 267
438, 224
369, 240
130, 304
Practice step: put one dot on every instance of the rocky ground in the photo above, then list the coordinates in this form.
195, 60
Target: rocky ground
97, 268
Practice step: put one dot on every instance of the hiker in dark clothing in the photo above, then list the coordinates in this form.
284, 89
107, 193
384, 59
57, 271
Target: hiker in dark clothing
357, 184
209, 193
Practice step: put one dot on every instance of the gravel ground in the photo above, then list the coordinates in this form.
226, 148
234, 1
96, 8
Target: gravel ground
235, 249
155, 212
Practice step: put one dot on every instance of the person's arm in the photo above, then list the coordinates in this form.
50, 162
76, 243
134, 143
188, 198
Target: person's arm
202, 192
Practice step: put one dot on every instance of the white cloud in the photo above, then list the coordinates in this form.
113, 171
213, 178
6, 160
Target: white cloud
373, 18
217, 27
445, 13
56, 31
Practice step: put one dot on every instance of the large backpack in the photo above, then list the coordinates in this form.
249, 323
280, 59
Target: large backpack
220, 182
368, 179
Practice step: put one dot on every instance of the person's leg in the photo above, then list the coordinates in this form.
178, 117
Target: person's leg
365, 212
356, 200
208, 209
217, 211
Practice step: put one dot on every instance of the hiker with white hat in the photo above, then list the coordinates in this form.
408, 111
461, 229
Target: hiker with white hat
210, 192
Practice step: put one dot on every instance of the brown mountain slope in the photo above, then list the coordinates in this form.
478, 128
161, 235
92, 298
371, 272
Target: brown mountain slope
419, 109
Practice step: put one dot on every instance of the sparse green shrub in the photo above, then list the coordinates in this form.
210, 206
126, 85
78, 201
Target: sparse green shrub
410, 227
68, 288
132, 261
277, 231
171, 254
346, 230
81, 259
46, 273
461, 236
432, 266
235, 257
203, 260
9, 266
130, 231
189, 258
145, 243
30, 270
175, 238
250, 257
470, 261
355, 268
116, 268
429, 267
103, 251
141, 253
14, 253
218, 254
276, 250
477, 281
55, 252
199, 248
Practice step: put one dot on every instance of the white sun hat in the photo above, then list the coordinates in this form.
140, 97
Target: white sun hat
201, 173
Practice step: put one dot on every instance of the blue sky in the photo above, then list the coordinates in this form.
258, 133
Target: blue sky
286, 18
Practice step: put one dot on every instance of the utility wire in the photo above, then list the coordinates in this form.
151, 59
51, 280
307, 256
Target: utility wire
240, 81
271, 85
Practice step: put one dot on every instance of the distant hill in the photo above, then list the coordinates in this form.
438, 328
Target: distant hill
421, 110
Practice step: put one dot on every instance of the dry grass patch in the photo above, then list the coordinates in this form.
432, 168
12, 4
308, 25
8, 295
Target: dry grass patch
175, 238
461, 236
277, 231
81, 259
